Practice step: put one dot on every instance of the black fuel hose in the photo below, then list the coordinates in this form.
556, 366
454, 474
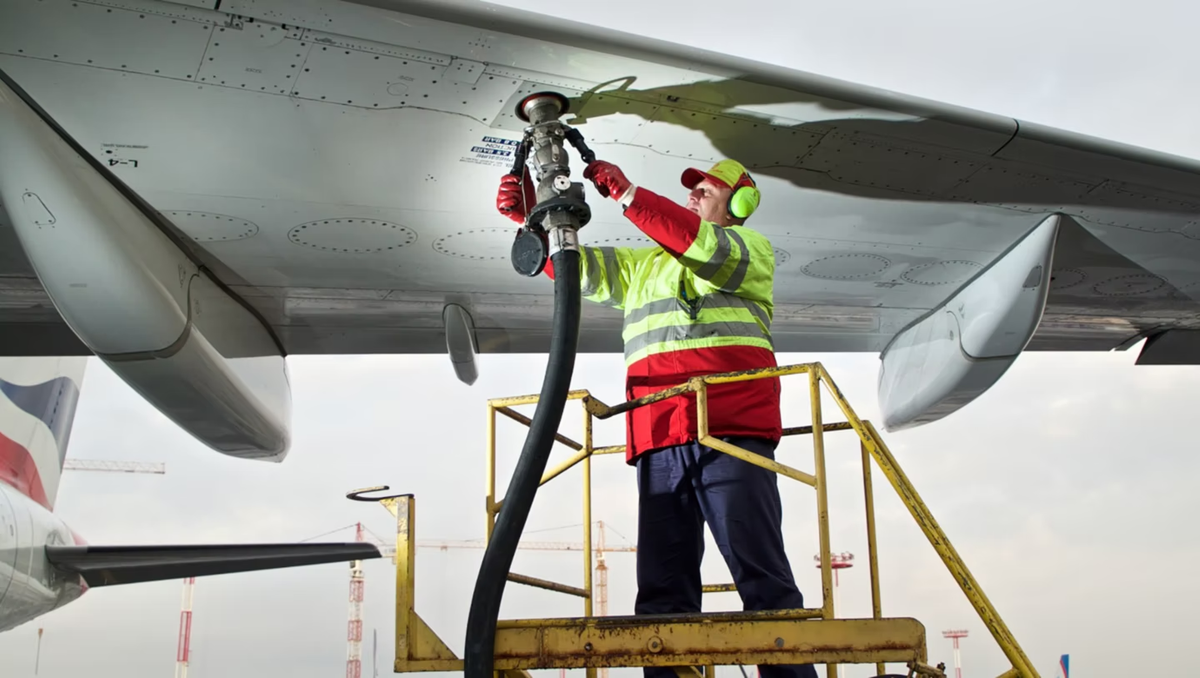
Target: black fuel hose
479, 653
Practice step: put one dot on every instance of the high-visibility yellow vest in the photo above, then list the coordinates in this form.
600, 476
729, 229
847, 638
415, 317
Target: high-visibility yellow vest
718, 293
699, 303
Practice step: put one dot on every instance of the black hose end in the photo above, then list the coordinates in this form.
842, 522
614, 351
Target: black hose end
576, 138
519, 157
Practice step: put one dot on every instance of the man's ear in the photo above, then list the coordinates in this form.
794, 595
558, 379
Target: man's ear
728, 217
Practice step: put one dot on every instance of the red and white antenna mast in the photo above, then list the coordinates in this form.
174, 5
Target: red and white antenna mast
957, 659
184, 651
354, 629
601, 591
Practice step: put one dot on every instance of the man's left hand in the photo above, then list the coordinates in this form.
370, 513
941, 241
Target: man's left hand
610, 181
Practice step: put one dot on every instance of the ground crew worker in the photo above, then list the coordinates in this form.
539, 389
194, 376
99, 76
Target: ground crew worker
698, 303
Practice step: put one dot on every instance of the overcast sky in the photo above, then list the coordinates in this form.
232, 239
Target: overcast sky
1068, 487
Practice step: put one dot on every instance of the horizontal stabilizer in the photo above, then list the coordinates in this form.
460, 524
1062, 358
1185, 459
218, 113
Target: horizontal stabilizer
111, 565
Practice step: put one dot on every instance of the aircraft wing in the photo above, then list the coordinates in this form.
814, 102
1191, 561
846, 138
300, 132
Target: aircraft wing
113, 565
326, 172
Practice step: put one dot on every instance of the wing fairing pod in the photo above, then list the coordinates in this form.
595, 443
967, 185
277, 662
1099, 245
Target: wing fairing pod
951, 355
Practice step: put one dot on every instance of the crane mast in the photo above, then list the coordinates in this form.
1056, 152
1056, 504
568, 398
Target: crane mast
355, 624
183, 653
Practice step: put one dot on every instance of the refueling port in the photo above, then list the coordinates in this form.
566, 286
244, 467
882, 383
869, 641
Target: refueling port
527, 108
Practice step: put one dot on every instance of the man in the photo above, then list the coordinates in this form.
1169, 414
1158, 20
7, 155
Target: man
698, 303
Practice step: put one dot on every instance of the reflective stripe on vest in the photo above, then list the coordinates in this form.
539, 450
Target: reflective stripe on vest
716, 319
720, 261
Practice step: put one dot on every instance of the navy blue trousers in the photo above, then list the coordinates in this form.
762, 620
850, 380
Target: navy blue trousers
679, 490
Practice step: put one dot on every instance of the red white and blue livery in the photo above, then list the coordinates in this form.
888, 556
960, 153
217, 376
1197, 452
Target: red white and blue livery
43, 564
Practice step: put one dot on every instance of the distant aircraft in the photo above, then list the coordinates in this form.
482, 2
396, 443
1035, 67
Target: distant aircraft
43, 564
193, 190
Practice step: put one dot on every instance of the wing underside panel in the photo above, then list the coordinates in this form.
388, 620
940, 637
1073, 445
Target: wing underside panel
336, 168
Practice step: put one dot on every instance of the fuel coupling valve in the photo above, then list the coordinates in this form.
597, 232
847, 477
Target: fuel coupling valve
553, 223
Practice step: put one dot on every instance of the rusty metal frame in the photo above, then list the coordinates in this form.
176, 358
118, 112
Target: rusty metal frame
711, 639
776, 637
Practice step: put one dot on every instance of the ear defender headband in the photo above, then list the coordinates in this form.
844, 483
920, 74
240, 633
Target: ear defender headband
745, 197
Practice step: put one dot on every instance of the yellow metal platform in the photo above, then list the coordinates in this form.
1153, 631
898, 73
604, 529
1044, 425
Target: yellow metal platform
685, 642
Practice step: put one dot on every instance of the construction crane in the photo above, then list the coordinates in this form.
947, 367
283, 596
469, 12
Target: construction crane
600, 548
114, 466
354, 635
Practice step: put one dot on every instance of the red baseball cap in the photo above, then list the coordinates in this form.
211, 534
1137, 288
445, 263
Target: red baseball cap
729, 172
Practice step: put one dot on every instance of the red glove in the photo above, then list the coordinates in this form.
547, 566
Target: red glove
608, 178
509, 200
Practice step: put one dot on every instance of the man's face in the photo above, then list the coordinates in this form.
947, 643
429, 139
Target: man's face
709, 199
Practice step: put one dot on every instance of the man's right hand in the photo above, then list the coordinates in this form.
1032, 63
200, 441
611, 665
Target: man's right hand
509, 199
609, 180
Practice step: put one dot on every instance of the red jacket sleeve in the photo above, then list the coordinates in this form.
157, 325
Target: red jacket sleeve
666, 222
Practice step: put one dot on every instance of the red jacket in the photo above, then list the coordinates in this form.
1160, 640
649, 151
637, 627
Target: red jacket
749, 408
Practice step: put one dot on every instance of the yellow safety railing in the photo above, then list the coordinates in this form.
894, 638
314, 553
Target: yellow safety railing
872, 447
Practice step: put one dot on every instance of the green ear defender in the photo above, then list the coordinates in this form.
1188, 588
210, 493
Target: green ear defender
744, 201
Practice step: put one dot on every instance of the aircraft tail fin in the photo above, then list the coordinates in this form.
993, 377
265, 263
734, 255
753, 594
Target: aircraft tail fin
1064, 665
37, 410
114, 565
